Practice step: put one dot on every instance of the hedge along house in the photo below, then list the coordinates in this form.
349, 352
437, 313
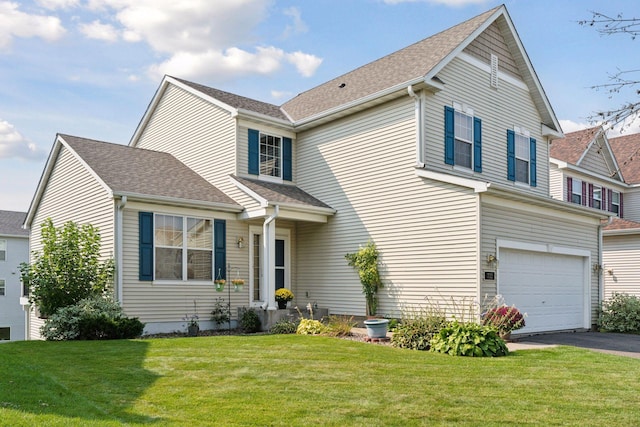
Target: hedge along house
439, 153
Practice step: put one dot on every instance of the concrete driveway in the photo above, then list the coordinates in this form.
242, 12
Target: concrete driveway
620, 344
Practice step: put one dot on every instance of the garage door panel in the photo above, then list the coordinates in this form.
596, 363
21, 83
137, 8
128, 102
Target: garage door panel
550, 288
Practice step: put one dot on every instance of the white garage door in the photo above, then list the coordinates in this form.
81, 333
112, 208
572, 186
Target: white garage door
550, 288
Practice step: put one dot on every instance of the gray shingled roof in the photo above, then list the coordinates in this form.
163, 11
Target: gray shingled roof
237, 101
408, 64
11, 223
131, 170
281, 193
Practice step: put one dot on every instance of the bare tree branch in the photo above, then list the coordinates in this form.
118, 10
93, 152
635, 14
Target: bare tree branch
606, 25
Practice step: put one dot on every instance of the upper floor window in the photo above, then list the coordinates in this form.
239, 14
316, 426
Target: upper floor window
521, 157
597, 197
2, 287
463, 138
3, 250
576, 191
270, 155
615, 202
183, 248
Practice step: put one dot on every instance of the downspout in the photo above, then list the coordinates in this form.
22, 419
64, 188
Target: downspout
118, 246
419, 126
600, 260
268, 245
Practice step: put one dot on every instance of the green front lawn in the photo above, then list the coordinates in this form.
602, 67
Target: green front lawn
287, 380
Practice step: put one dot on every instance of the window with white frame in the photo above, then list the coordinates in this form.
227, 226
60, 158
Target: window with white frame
597, 197
576, 191
2, 287
183, 248
3, 250
5, 334
270, 155
615, 202
463, 131
523, 153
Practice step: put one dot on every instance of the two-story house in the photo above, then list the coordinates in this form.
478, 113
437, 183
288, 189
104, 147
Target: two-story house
590, 169
14, 250
439, 153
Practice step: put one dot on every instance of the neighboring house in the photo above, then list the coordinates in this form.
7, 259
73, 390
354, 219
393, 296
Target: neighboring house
439, 153
590, 169
14, 250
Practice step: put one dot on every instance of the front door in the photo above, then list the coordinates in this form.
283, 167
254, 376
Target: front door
256, 277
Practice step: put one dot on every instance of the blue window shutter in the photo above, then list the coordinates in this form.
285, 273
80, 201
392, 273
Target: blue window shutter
511, 155
532, 163
286, 159
220, 248
145, 243
477, 144
449, 135
254, 152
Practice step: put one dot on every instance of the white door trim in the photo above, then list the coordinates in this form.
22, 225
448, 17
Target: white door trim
281, 234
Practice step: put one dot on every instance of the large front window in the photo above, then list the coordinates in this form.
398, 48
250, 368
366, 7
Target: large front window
270, 155
463, 125
183, 247
522, 158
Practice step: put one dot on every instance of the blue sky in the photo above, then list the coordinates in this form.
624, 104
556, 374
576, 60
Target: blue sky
90, 67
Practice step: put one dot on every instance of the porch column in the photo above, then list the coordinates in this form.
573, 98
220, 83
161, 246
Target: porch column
269, 259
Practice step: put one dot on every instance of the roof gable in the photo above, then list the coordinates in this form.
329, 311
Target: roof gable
11, 224
627, 152
572, 147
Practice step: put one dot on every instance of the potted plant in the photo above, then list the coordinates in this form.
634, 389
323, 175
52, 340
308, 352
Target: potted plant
219, 284
283, 296
505, 319
193, 326
237, 284
366, 262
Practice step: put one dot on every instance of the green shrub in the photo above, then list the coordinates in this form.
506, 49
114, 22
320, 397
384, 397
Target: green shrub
220, 312
620, 313
93, 318
310, 327
340, 326
469, 339
249, 321
417, 328
284, 326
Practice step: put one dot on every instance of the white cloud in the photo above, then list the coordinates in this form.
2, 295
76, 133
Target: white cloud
298, 26
278, 94
14, 145
99, 31
569, 126
451, 3
58, 4
14, 23
201, 38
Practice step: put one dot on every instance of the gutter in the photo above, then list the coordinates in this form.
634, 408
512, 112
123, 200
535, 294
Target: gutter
119, 225
419, 126
600, 260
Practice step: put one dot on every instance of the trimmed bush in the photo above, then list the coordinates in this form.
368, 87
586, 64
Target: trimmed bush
469, 339
416, 330
284, 326
249, 321
620, 313
96, 318
310, 327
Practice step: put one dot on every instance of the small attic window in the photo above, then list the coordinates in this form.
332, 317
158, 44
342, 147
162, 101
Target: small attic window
341, 85
494, 71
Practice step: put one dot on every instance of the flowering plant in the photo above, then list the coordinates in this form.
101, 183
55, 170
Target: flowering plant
238, 282
504, 318
220, 281
284, 294
192, 320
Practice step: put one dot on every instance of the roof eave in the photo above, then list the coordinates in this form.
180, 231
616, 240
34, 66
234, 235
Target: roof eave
176, 201
561, 164
622, 232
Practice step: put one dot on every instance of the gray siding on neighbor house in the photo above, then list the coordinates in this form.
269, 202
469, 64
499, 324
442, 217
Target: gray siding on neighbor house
363, 166
508, 106
72, 194
595, 161
621, 273
631, 206
525, 223
11, 314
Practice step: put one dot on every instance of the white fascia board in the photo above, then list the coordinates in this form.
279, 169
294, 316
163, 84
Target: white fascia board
264, 118
165, 200
305, 208
624, 232
577, 169
255, 196
252, 214
550, 133
477, 186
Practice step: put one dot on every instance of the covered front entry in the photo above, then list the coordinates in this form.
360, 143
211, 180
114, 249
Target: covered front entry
281, 265
549, 284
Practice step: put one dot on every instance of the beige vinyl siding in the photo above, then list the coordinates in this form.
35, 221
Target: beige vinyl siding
596, 160
363, 166
557, 183
621, 258
492, 42
170, 302
196, 132
72, 194
527, 224
510, 105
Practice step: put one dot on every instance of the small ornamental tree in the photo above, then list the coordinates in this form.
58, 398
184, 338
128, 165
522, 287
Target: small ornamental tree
366, 262
68, 269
